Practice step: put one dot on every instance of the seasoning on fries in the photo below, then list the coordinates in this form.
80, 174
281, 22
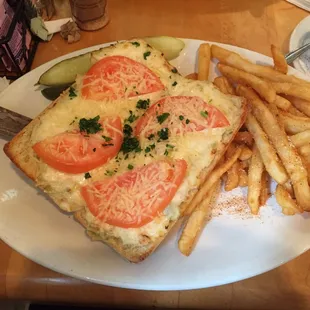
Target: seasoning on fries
286, 151
261, 150
269, 156
256, 170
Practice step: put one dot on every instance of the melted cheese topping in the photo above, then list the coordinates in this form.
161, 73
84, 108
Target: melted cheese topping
197, 148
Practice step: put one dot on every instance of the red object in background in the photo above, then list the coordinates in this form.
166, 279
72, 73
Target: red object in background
17, 45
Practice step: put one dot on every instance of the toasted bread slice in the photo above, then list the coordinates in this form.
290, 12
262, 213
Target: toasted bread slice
134, 244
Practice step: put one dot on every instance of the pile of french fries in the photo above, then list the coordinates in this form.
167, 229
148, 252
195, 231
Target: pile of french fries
274, 141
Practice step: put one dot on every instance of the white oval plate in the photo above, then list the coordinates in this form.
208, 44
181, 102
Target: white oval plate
299, 37
232, 247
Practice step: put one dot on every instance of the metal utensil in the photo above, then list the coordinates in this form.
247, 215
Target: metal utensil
290, 57
11, 123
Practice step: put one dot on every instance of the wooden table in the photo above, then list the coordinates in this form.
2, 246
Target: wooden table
251, 24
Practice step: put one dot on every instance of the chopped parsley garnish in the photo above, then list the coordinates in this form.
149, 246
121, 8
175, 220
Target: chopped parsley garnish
127, 130
169, 146
136, 44
163, 134
210, 100
187, 121
204, 114
151, 136
175, 83
161, 118
166, 152
72, 93
107, 139
146, 54
143, 104
94, 149
130, 166
90, 125
147, 149
174, 70
181, 117
130, 144
152, 146
109, 173
131, 117
87, 175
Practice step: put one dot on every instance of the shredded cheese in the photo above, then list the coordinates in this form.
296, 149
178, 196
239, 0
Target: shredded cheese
195, 147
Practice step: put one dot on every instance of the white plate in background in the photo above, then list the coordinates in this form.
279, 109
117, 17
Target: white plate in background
232, 247
299, 37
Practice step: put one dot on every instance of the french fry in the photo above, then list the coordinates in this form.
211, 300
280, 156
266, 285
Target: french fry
192, 76
244, 164
295, 111
265, 189
255, 180
243, 176
269, 156
300, 104
262, 87
231, 150
299, 91
279, 61
233, 59
196, 221
214, 176
223, 84
301, 138
306, 163
287, 152
289, 188
232, 180
277, 114
305, 151
246, 153
204, 58
224, 178
282, 103
244, 137
294, 124
220, 84
287, 203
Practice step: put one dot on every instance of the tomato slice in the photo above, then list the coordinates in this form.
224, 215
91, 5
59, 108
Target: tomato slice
114, 76
183, 114
76, 152
134, 198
